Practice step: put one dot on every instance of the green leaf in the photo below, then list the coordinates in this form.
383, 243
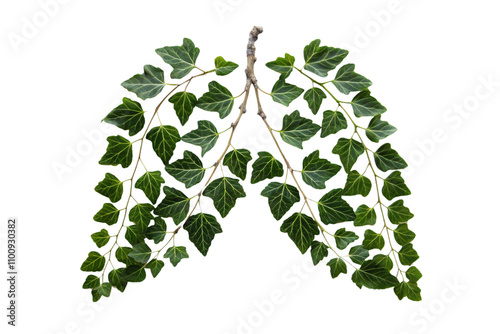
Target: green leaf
314, 98
237, 161
188, 170
164, 139
383, 261
363, 104
401, 290
94, 262
95, 295
333, 122
146, 85
157, 231
346, 80
108, 214
202, 229
134, 273
110, 187
100, 238
118, 152
403, 234
408, 289
121, 255
181, 58
343, 238
365, 216
318, 251
127, 116
301, 229
175, 204
282, 65
373, 276
150, 183
205, 136
224, 192
134, 234
155, 266
140, 252
184, 104
218, 99
398, 213
316, 171
394, 186
388, 159
407, 255
281, 197
349, 151
337, 267
297, 129
104, 289
141, 215
357, 184
413, 274
373, 240
378, 129
265, 167
223, 67
358, 254
176, 254
285, 93
115, 278
333, 209
91, 282
322, 59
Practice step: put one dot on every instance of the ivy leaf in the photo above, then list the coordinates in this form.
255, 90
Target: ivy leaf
314, 98
349, 151
150, 183
218, 98
224, 192
408, 289
134, 273
365, 216
413, 274
181, 58
108, 214
115, 278
394, 186
146, 85
346, 80
333, 209
301, 229
401, 290
322, 59
337, 267
282, 65
403, 234
95, 295
110, 187
202, 229
333, 122
157, 231
285, 93
104, 289
155, 266
141, 215
184, 104
281, 197
164, 139
318, 251
407, 255
388, 159
121, 255
176, 254
140, 252
118, 152
343, 238
100, 238
94, 262
237, 161
363, 104
383, 261
378, 129
373, 276
357, 184
205, 136
188, 170
398, 213
175, 204
373, 240
134, 234
265, 167
297, 129
223, 67
127, 116
358, 254
91, 282
316, 171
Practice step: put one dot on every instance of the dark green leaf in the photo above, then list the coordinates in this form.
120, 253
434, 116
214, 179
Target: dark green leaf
265, 167
127, 116
110, 187
100, 238
349, 151
394, 186
157, 231
104, 289
301, 229
205, 136
281, 197
401, 290
322, 59
388, 159
378, 129
346, 80
141, 215
413, 274
202, 229
223, 67
285, 93
333, 209
134, 273
358, 254
164, 139
282, 65
413, 292
384, 261
140, 252
95, 295
237, 161
175, 204
118, 152
337, 267
407, 255
181, 58
91, 282
155, 266
146, 85
365, 216
363, 104
176, 254
184, 104
134, 234
316, 171
314, 98
357, 184
297, 129
150, 183
218, 99
318, 251
398, 213
122, 256
188, 170
224, 192
115, 278
373, 240
108, 214
333, 122
94, 262
403, 234
343, 238
373, 276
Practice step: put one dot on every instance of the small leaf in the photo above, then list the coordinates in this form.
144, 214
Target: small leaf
91, 282
237, 161
314, 98
95, 295
146, 85
407, 255
343, 238
121, 255
373, 240
322, 59
357, 184
134, 273
181, 58
281, 197
349, 151
108, 214
134, 234
318, 251
265, 167
110, 187
164, 139
184, 104
413, 274
282, 65
118, 152
157, 231
104, 289
202, 229
175, 204
365, 216
176, 254
363, 104
127, 116
358, 254
115, 278
333, 122
384, 261
297, 129
373, 276
394, 186
141, 215
224, 192
301, 229
140, 252
94, 262
337, 267
150, 183
100, 238
155, 266
223, 67
388, 159
188, 170
403, 234
413, 292
285, 93
205, 136
401, 290
333, 209
398, 213
316, 171
378, 129
346, 80
218, 99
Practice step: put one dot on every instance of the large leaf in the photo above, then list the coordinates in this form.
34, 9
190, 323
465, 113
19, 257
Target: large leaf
127, 116
357, 184
346, 80
297, 129
333, 209
150, 183
202, 229
184, 104
363, 104
108, 214
164, 139
316, 171
378, 129
281, 197
365, 216
205, 136
349, 151
218, 99
318, 251
223, 67
322, 59
301, 229
398, 213
344, 238
285, 93
175, 204
146, 85
265, 167
373, 276
181, 58
333, 122
314, 98
387, 158
94, 262
224, 192
176, 254
237, 161
110, 187
282, 65
188, 170
394, 186
118, 152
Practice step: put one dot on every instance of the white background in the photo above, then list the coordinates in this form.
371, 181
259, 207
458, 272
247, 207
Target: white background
427, 60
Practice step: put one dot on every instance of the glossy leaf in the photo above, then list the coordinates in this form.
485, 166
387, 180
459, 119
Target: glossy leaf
265, 167
223, 67
316, 171
388, 159
322, 59
314, 98
184, 104
398, 213
365, 216
94, 262
218, 99
301, 229
157, 231
407, 255
318, 251
100, 238
118, 152
378, 129
104, 289
337, 267
121, 255
357, 184
282, 65
150, 183
346, 80
155, 266
297, 129
202, 229
237, 161
188, 170
281, 197
164, 139
224, 192
146, 85
116, 279
140, 252
108, 214
205, 136
181, 58
127, 116
285, 93
333, 122
134, 234
141, 215
358, 254
176, 254
363, 104
349, 151
383, 261
175, 204
91, 282
413, 274
373, 276
110, 187
343, 238
333, 209
373, 240
134, 273
403, 235
394, 186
